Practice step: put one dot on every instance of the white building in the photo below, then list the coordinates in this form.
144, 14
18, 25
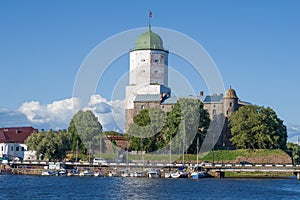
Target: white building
12, 141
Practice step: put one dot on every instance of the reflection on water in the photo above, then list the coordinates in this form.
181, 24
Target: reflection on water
38, 187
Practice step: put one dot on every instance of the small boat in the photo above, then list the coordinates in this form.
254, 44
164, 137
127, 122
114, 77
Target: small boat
184, 174
112, 174
125, 174
99, 173
73, 172
175, 175
197, 175
154, 173
86, 172
62, 172
180, 174
138, 174
49, 173
167, 175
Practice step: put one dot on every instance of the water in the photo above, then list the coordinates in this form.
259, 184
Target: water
39, 187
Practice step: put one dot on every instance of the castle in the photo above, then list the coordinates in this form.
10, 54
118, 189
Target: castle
148, 83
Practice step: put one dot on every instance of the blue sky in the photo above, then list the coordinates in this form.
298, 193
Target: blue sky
255, 45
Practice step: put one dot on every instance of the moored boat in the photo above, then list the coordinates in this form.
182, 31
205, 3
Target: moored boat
73, 172
138, 174
112, 174
167, 175
153, 173
175, 174
197, 175
49, 173
86, 172
62, 172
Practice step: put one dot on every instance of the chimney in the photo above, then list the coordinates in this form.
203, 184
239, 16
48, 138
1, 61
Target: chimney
201, 93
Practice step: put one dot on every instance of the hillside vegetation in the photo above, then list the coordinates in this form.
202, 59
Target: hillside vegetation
261, 156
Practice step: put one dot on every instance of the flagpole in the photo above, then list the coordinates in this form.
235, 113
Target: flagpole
150, 16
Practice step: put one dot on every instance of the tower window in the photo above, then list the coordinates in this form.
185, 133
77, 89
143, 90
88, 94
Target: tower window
156, 60
230, 104
142, 107
214, 112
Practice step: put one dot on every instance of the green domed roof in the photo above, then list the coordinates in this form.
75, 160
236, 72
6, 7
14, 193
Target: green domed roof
149, 40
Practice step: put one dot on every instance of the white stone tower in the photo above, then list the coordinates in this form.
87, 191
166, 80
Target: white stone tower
148, 71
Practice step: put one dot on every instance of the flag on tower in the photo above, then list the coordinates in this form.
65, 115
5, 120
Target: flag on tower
150, 14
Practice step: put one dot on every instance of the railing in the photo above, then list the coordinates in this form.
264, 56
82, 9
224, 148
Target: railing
156, 164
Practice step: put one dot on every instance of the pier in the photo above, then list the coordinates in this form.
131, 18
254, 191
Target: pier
217, 170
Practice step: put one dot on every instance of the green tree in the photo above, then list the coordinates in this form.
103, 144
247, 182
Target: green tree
184, 123
256, 127
35, 143
86, 129
188, 120
49, 145
75, 139
294, 148
147, 124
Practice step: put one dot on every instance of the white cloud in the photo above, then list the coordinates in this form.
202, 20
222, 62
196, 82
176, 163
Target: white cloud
57, 115
293, 132
111, 114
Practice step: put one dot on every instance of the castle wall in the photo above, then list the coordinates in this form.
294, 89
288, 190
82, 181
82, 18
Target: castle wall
214, 109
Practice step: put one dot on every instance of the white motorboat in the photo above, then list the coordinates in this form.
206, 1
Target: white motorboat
167, 175
86, 172
138, 174
154, 174
175, 175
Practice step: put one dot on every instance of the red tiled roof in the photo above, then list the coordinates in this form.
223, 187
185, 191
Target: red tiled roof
15, 134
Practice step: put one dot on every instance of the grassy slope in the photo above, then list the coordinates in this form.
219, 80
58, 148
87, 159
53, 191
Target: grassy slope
276, 156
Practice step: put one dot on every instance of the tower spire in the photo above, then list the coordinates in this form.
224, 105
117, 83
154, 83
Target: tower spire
150, 16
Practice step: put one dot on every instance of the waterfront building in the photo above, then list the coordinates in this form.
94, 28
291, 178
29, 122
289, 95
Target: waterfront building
148, 84
12, 141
